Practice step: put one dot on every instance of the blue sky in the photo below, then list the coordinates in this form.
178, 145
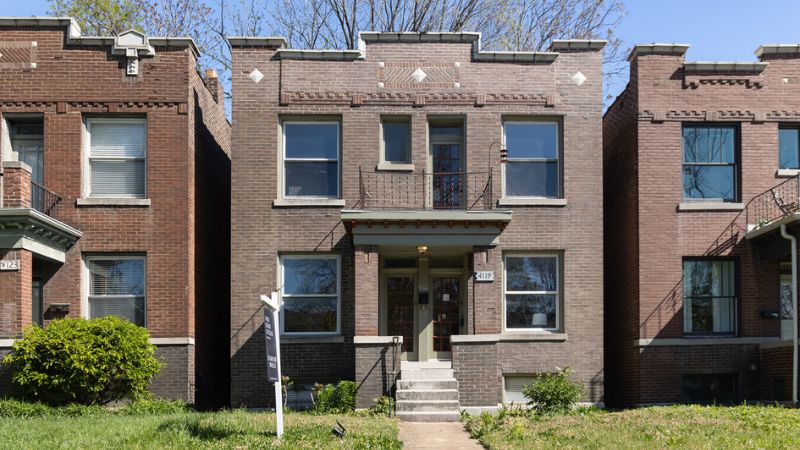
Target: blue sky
717, 30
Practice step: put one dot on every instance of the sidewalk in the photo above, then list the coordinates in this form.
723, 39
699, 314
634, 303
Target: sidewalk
438, 435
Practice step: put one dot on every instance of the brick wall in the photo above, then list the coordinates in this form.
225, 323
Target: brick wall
176, 379
775, 365
377, 366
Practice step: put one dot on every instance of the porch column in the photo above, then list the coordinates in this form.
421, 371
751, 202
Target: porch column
16, 277
485, 305
366, 288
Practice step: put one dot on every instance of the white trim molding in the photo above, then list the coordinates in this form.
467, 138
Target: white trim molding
172, 341
291, 340
377, 339
509, 337
682, 342
6, 343
112, 201
710, 206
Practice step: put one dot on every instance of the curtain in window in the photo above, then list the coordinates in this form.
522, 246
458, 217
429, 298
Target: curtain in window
117, 287
709, 296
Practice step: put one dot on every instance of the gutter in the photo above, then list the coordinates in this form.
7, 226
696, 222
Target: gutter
793, 242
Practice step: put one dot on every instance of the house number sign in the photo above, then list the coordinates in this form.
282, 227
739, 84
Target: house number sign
484, 276
9, 264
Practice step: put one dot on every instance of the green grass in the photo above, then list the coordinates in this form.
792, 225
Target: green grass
685, 427
228, 429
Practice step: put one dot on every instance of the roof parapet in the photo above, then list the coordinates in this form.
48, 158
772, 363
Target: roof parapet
432, 37
657, 49
775, 49
572, 45
267, 41
724, 66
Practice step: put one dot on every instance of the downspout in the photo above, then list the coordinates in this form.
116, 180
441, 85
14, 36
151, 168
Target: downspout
793, 241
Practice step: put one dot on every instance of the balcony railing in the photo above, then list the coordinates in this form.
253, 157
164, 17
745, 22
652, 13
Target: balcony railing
424, 190
775, 203
43, 200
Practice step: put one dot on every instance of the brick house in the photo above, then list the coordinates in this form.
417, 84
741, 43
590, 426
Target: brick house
114, 194
700, 169
368, 190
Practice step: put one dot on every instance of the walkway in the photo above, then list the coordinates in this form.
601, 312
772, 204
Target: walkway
437, 435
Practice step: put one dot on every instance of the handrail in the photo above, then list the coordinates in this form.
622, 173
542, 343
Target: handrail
44, 200
467, 190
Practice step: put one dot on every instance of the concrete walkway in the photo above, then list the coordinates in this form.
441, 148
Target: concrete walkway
436, 435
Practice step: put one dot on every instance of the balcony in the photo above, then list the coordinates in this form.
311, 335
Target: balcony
44, 201
425, 191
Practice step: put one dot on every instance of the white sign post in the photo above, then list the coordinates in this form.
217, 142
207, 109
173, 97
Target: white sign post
272, 336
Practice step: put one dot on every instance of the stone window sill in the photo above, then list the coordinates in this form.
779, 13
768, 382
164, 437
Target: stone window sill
395, 167
787, 173
511, 201
295, 202
312, 339
710, 206
108, 201
511, 336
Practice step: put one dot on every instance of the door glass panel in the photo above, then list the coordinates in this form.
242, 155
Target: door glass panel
447, 179
445, 311
400, 303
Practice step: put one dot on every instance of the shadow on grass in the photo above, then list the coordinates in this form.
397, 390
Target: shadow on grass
205, 431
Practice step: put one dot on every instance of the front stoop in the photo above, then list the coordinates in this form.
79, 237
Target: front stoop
427, 392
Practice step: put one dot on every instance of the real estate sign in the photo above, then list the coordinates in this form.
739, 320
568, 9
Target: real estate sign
273, 373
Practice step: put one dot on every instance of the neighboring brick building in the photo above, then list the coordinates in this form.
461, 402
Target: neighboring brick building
115, 194
700, 170
368, 191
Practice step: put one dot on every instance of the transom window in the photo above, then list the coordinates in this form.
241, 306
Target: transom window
709, 163
709, 296
117, 149
396, 135
532, 292
117, 287
311, 159
789, 148
311, 288
532, 169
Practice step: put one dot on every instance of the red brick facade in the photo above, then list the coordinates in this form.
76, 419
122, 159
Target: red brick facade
650, 229
68, 78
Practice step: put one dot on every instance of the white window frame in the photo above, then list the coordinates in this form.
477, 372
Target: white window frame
87, 154
557, 293
284, 159
86, 280
338, 295
559, 152
382, 143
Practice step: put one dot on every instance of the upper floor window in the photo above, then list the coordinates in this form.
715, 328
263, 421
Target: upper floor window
396, 137
532, 291
311, 159
533, 168
709, 296
116, 287
789, 148
117, 152
311, 285
709, 162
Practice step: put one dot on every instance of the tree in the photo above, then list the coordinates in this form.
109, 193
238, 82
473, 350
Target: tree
101, 17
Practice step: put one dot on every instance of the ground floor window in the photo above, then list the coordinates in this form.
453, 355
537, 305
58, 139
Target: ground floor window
532, 291
117, 287
709, 389
512, 388
709, 295
311, 294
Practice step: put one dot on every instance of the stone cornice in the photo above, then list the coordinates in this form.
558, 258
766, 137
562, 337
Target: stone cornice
110, 106
37, 232
718, 116
415, 99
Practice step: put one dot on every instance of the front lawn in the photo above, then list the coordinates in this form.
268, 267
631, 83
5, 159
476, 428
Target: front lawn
228, 429
689, 427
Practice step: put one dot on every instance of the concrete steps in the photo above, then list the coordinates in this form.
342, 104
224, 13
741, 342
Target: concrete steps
427, 392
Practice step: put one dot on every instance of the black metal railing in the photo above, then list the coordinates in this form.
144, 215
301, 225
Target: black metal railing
774, 203
423, 190
43, 200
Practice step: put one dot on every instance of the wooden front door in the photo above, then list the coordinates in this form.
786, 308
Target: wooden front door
446, 298
401, 312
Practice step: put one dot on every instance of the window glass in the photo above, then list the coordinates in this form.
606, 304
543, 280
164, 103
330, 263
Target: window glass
532, 168
709, 163
117, 287
789, 148
310, 294
311, 162
532, 291
709, 292
117, 156
396, 136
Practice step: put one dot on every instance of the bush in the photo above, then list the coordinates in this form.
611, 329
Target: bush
553, 392
384, 406
335, 399
91, 362
10, 408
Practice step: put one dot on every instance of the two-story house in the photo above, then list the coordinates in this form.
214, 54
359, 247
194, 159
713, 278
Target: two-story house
701, 199
114, 194
429, 212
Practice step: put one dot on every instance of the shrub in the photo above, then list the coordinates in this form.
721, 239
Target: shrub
19, 409
553, 392
336, 399
84, 361
384, 406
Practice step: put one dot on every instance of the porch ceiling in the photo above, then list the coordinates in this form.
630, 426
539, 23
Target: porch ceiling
25, 228
790, 220
425, 227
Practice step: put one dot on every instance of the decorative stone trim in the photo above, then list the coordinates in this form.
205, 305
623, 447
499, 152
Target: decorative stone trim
291, 340
415, 99
723, 116
508, 337
172, 341
102, 201
710, 206
682, 342
329, 202
377, 339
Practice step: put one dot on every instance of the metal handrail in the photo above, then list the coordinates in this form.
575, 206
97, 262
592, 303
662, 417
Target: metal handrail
44, 200
425, 190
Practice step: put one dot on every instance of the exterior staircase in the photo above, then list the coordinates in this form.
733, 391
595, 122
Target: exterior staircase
427, 392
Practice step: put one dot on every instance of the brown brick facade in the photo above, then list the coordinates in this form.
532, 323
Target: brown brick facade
650, 231
182, 232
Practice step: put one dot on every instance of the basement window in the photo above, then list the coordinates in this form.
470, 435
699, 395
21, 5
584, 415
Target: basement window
709, 389
512, 388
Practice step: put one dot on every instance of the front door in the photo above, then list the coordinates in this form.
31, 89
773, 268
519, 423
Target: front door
446, 298
401, 312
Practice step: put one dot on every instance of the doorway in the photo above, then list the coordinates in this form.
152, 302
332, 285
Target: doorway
447, 165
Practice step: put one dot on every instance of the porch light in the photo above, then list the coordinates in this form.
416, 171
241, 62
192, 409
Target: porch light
422, 249
503, 152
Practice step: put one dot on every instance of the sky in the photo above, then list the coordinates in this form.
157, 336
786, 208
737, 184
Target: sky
717, 30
